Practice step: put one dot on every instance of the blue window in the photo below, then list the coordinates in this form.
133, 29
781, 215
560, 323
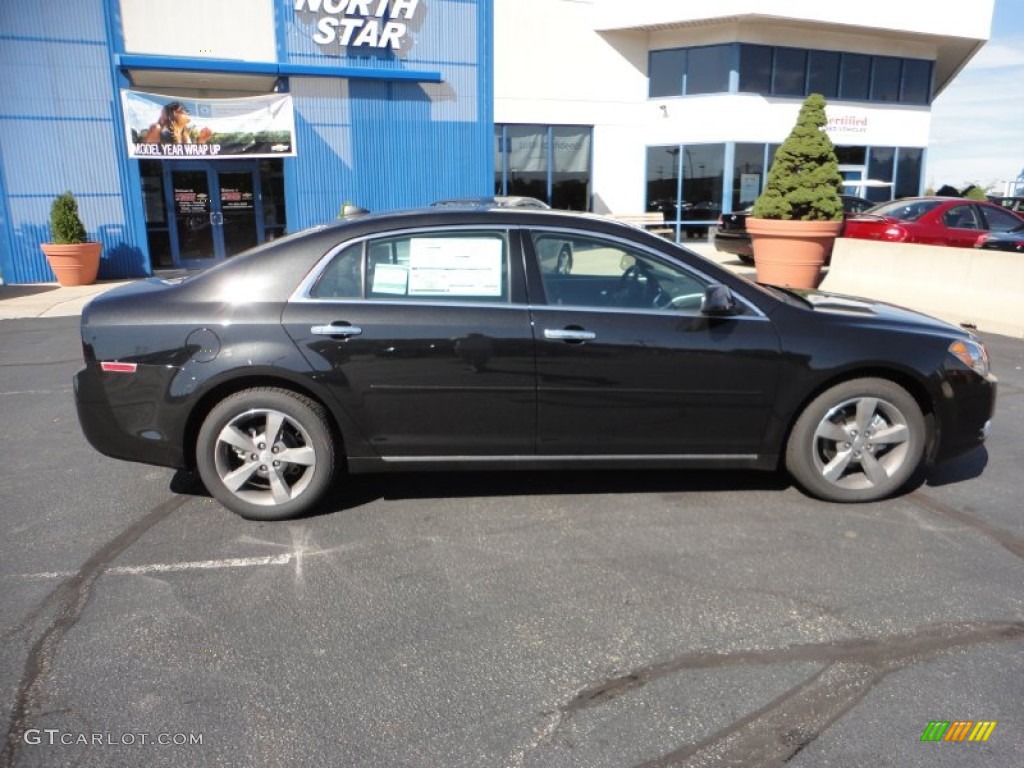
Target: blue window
707, 69
789, 72
885, 79
855, 74
789, 75
916, 84
666, 70
755, 69
823, 73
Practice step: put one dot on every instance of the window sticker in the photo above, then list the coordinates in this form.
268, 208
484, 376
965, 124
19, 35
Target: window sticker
390, 279
455, 266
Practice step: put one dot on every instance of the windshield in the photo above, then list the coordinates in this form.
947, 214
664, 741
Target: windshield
904, 210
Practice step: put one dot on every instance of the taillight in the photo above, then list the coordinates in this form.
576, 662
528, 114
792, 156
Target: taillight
895, 234
118, 367
980, 242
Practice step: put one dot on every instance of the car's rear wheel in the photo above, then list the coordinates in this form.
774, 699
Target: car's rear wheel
266, 453
861, 440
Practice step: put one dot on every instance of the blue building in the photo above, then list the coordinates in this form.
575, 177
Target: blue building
377, 103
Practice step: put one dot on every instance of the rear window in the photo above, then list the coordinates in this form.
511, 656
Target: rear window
904, 210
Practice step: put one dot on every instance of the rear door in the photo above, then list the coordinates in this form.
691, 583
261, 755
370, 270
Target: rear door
963, 225
425, 342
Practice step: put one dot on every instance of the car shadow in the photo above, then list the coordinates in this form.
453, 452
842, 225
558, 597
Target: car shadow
965, 467
353, 491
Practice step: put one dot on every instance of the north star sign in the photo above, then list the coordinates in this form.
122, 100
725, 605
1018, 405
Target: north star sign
361, 23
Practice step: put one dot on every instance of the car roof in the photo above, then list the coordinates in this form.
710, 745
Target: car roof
498, 201
278, 265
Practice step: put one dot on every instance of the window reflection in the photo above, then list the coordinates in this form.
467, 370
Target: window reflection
686, 183
790, 72
549, 163
748, 175
700, 168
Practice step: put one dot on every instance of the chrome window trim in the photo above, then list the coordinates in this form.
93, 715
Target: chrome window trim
301, 295
578, 457
679, 314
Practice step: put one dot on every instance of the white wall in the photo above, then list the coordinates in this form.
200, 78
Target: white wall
551, 67
212, 29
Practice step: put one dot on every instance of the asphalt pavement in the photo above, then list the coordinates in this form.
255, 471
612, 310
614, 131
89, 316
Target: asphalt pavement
529, 619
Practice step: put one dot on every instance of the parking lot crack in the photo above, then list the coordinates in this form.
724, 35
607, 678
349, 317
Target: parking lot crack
771, 735
1007, 540
71, 598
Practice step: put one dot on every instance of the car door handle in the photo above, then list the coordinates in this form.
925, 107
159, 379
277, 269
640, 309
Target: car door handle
568, 334
336, 330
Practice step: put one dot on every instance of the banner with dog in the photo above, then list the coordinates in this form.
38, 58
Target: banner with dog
170, 127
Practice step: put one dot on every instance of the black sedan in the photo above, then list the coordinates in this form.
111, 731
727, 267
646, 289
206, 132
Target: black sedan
731, 234
1012, 241
440, 339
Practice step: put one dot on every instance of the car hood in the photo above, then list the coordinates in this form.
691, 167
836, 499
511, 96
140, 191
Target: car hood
879, 313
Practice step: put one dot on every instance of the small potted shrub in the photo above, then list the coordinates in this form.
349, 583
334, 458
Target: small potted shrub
73, 259
796, 219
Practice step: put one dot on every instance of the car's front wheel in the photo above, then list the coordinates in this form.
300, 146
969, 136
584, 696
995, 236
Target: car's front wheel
860, 440
266, 453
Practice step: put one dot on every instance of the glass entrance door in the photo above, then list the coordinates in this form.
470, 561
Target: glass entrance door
216, 210
192, 216
238, 202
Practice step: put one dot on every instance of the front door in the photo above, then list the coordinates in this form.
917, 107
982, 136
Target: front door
628, 366
216, 210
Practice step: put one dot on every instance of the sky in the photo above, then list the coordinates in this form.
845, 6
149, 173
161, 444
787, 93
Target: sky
977, 133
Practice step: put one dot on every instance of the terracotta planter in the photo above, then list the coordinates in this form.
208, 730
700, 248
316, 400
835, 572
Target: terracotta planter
791, 253
74, 264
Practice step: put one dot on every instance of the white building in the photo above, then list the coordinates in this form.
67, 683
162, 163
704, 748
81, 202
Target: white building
677, 106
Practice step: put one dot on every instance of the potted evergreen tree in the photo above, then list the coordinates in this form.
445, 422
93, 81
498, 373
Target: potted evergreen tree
796, 219
73, 259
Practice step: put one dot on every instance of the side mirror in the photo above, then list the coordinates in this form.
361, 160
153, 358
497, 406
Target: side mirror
718, 300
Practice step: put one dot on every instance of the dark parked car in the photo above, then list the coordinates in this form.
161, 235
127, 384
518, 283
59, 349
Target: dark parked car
732, 236
438, 339
953, 221
1012, 203
1012, 241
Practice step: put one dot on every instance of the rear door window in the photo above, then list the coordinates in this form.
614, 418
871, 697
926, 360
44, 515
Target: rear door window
422, 266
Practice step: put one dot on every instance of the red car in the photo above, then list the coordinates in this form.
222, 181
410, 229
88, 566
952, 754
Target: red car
931, 221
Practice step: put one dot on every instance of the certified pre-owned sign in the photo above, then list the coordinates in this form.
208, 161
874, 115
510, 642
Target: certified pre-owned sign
361, 23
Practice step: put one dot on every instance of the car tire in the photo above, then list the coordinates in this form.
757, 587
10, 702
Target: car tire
861, 440
563, 264
260, 478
